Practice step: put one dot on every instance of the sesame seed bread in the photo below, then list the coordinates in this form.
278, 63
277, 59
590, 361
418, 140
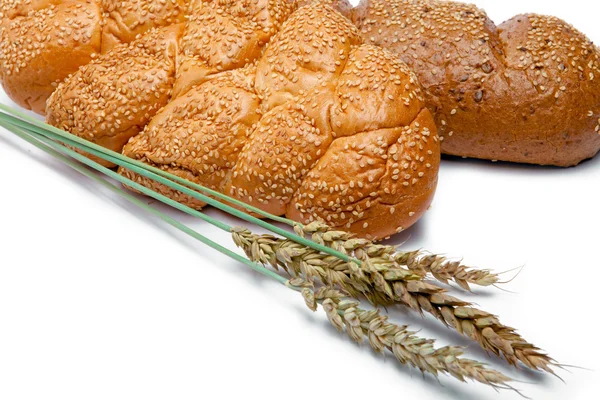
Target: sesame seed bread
42, 42
342, 6
321, 127
112, 98
124, 20
526, 91
226, 35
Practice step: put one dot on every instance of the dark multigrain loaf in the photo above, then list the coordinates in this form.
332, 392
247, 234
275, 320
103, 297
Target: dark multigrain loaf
321, 127
526, 91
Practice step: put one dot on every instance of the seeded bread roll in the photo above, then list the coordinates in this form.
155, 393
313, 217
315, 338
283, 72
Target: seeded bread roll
224, 35
527, 91
322, 127
44, 41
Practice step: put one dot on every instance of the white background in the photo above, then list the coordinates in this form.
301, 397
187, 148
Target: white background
100, 301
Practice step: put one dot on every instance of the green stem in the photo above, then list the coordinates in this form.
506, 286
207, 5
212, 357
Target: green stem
50, 148
25, 120
126, 181
149, 172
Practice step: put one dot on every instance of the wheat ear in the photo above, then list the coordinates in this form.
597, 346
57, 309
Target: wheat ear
373, 325
383, 282
420, 262
445, 270
407, 347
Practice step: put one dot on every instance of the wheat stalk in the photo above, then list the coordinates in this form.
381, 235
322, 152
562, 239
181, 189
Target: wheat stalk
383, 281
372, 272
420, 262
407, 347
445, 270
437, 267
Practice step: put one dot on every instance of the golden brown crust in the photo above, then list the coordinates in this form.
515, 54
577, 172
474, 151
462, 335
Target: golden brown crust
125, 19
342, 6
298, 59
281, 150
527, 91
329, 129
42, 42
375, 183
111, 99
379, 175
200, 134
472, 71
224, 35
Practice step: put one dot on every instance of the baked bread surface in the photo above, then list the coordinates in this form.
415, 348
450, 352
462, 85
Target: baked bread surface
42, 42
111, 99
124, 20
526, 91
320, 127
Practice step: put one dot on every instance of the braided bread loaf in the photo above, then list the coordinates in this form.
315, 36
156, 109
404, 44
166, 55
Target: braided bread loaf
321, 126
527, 91
44, 41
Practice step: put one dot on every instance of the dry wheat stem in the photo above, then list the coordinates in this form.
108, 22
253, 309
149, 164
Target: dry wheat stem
383, 281
359, 324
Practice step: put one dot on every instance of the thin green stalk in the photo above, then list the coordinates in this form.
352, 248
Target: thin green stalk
436, 266
49, 147
129, 182
159, 176
25, 120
